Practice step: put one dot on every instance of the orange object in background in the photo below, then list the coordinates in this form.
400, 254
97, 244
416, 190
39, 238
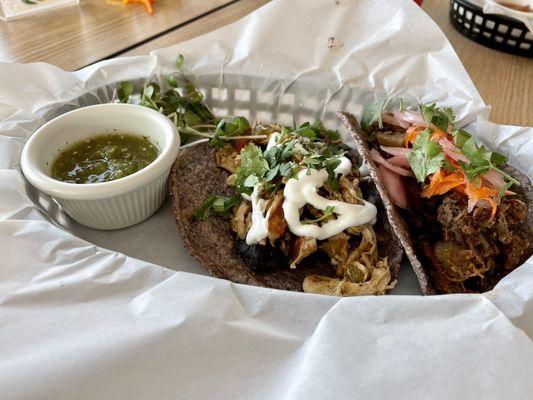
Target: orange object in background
147, 4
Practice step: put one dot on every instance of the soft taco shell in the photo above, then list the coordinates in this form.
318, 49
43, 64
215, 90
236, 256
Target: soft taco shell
195, 176
524, 192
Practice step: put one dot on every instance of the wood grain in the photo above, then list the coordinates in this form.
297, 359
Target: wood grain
74, 37
217, 19
504, 80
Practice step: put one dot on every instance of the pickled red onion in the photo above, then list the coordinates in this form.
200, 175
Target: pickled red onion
394, 186
380, 160
395, 151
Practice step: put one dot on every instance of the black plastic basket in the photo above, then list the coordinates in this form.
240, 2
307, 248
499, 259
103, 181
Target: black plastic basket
492, 30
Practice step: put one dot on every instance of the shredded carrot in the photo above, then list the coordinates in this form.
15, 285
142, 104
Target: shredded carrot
411, 134
443, 181
476, 193
438, 134
440, 183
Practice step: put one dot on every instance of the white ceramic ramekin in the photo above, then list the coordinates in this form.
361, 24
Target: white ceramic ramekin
109, 205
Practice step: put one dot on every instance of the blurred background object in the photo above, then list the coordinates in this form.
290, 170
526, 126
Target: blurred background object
148, 4
12, 9
486, 25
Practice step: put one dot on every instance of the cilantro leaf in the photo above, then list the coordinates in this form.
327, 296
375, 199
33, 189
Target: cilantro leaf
472, 172
236, 126
272, 173
287, 169
372, 115
251, 181
306, 130
279, 153
326, 134
252, 163
220, 205
328, 212
440, 117
481, 160
460, 136
427, 156
497, 158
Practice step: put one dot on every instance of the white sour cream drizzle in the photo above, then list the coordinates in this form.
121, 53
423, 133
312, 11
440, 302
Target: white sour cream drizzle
301, 191
344, 167
259, 229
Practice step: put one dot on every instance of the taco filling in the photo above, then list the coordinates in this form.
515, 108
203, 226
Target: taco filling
455, 195
297, 196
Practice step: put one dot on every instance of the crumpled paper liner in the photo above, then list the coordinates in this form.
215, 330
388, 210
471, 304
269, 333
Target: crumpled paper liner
80, 321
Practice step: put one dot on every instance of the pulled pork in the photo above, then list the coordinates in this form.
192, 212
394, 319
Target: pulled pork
476, 250
360, 271
357, 267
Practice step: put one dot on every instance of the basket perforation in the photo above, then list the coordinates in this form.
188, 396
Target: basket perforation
495, 31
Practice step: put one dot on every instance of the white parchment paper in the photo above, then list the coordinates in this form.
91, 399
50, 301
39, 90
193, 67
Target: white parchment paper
493, 7
79, 321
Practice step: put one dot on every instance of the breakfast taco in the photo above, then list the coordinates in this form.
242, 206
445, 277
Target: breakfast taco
284, 208
464, 216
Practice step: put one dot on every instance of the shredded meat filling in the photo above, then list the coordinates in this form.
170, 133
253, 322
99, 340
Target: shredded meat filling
276, 218
356, 268
361, 272
475, 245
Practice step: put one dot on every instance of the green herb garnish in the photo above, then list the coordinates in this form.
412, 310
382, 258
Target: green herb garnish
230, 128
252, 167
460, 136
181, 102
220, 205
440, 117
427, 156
328, 212
372, 114
481, 161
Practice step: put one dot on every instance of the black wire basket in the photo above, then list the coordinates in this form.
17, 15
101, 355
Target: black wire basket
493, 30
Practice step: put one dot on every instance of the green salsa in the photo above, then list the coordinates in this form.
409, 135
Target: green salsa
104, 158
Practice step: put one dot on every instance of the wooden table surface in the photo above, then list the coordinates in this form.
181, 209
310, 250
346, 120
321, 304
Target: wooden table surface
75, 37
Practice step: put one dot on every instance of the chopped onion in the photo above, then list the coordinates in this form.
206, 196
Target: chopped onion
399, 161
410, 117
380, 160
395, 151
394, 186
451, 150
391, 120
494, 178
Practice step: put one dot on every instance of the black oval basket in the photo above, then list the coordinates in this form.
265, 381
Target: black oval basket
492, 30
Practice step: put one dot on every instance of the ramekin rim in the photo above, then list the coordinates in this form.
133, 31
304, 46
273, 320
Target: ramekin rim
95, 191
